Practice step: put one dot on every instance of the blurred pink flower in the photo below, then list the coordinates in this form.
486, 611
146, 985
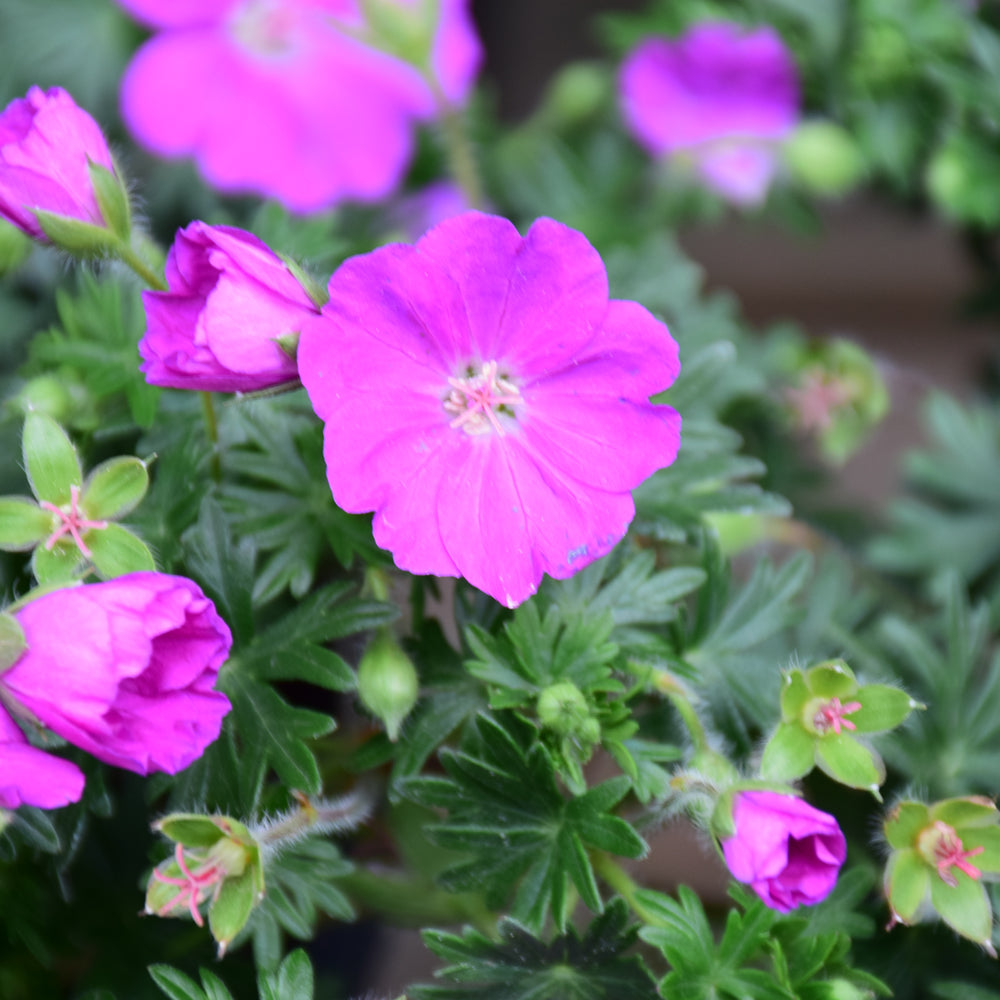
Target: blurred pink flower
789, 852
230, 297
32, 777
45, 143
484, 397
125, 669
279, 98
722, 96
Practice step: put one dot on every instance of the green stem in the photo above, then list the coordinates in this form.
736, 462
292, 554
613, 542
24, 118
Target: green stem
140, 267
667, 684
624, 885
461, 153
212, 428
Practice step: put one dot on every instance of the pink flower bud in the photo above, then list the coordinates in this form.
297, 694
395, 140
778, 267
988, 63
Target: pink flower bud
125, 669
789, 852
231, 301
46, 142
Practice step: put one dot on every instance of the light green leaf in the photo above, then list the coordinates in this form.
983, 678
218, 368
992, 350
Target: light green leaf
23, 524
115, 551
231, 910
833, 679
904, 822
967, 811
57, 565
907, 879
794, 695
964, 907
882, 707
847, 761
988, 839
50, 459
12, 642
789, 754
114, 488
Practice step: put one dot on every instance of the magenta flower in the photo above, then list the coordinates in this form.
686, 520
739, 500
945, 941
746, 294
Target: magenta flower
722, 96
280, 97
32, 777
45, 143
789, 852
125, 669
487, 401
230, 298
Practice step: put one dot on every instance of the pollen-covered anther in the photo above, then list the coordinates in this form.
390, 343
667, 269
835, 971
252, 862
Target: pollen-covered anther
943, 847
831, 714
71, 522
476, 399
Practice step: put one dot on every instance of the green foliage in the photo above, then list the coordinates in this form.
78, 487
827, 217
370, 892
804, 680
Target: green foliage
519, 966
292, 980
760, 954
505, 809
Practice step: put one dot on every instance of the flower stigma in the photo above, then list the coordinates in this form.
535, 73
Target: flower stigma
941, 845
71, 522
830, 715
476, 400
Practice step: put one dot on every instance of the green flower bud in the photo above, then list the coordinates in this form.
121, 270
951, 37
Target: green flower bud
388, 684
578, 92
824, 158
563, 708
961, 180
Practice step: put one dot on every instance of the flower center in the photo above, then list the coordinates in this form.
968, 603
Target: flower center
193, 887
71, 522
478, 400
942, 846
830, 715
266, 27
817, 399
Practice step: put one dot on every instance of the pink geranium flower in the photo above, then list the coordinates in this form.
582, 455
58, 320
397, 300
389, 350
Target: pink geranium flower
32, 777
280, 97
789, 852
484, 397
718, 94
125, 669
230, 299
46, 141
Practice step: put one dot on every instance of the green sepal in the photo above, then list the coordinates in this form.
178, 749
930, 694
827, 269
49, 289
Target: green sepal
50, 459
115, 551
81, 239
232, 908
964, 907
907, 879
722, 824
882, 707
794, 695
904, 822
314, 289
847, 761
13, 644
114, 488
190, 829
23, 524
112, 199
790, 753
965, 812
58, 565
161, 894
833, 679
988, 838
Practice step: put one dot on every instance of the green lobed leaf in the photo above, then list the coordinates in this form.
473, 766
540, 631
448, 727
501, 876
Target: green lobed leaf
789, 754
174, 984
293, 980
115, 551
114, 488
50, 459
23, 524
907, 879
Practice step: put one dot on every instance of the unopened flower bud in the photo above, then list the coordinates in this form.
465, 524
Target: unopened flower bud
563, 708
824, 158
388, 684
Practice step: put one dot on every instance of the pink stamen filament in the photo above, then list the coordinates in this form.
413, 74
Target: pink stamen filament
817, 398
72, 522
194, 886
949, 853
475, 398
831, 716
